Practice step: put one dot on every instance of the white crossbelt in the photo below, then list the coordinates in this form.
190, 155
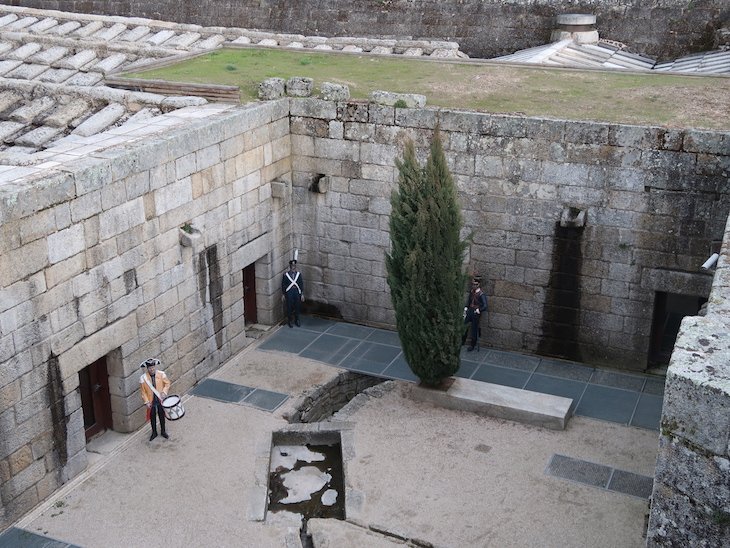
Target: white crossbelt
146, 378
293, 282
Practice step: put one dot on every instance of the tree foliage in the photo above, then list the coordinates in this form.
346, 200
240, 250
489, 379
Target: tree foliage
425, 266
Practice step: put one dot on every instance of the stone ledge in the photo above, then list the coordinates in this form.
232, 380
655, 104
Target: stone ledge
503, 402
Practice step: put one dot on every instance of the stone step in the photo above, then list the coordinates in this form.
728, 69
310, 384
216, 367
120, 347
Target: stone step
256, 330
503, 402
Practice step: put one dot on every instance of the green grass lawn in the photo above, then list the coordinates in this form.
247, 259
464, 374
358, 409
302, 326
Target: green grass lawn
660, 99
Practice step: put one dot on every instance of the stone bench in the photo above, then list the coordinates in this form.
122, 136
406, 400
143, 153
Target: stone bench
503, 402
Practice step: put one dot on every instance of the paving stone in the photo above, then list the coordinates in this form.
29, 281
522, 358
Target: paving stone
85, 79
8, 129
9, 99
89, 29
108, 34
16, 155
65, 113
38, 137
6, 46
141, 116
49, 56
43, 25
56, 75
22, 23
211, 42
7, 66
81, 59
160, 37
183, 40
66, 28
24, 51
7, 19
27, 71
110, 63
101, 120
132, 35
27, 113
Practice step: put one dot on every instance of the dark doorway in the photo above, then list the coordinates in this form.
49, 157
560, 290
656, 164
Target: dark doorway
669, 309
249, 294
95, 399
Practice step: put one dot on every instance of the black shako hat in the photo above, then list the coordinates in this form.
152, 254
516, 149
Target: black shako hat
292, 262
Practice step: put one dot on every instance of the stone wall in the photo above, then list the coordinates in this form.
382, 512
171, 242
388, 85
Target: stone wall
663, 29
655, 199
690, 504
323, 401
93, 266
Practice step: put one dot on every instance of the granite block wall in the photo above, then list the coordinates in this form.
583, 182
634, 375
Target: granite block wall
94, 265
653, 200
690, 504
663, 29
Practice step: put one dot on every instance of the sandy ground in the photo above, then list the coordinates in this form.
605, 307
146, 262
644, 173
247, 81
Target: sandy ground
446, 477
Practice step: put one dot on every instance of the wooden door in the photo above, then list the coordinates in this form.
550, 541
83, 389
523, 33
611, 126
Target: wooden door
249, 294
95, 398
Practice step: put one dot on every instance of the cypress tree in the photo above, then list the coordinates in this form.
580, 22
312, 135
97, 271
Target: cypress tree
425, 266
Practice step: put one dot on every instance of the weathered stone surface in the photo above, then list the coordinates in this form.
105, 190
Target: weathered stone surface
299, 86
78, 61
408, 100
272, 88
101, 120
66, 243
334, 92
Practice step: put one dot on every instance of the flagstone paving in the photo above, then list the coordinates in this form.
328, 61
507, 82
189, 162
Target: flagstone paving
632, 399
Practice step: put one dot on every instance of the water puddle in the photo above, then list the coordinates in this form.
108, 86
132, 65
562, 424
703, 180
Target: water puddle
307, 480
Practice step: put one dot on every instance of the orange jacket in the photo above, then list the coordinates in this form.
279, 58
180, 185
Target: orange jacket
162, 385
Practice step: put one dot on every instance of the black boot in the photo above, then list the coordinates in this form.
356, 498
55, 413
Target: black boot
153, 422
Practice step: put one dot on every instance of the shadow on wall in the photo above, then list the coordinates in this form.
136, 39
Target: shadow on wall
561, 310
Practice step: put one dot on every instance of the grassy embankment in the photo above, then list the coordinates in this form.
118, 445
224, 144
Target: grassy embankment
656, 99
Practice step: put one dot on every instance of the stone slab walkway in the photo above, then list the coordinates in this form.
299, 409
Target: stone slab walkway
611, 395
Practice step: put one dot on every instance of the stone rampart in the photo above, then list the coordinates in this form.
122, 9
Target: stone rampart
654, 200
577, 227
662, 29
95, 265
690, 504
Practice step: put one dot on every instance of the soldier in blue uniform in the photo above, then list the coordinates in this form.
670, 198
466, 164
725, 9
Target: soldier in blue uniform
292, 288
476, 306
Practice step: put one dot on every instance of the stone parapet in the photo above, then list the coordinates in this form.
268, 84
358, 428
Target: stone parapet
691, 498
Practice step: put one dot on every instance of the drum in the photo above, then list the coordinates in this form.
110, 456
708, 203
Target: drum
173, 408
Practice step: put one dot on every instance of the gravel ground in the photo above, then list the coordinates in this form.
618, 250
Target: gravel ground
445, 477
